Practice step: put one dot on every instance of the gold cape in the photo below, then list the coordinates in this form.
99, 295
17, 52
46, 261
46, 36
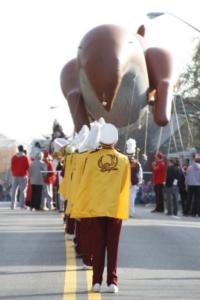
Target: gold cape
104, 187
64, 188
77, 168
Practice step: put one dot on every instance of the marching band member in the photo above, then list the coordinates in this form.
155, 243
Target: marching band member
103, 196
66, 187
71, 183
83, 228
136, 173
74, 175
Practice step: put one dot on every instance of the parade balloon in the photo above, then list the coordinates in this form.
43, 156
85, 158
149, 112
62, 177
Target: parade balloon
115, 76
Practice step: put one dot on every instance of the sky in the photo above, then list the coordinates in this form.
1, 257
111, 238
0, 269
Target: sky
39, 36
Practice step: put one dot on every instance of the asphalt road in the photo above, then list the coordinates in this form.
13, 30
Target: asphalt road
32, 255
159, 258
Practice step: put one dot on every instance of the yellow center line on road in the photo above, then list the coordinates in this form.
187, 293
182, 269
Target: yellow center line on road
91, 295
70, 272
70, 283
70, 279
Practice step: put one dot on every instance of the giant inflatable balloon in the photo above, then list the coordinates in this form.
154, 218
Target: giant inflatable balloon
115, 76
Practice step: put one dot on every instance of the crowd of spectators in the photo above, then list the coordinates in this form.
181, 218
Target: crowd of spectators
174, 186
34, 180
175, 183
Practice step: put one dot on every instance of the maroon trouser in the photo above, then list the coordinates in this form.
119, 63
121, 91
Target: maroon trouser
70, 225
77, 238
65, 215
158, 188
86, 230
105, 236
82, 240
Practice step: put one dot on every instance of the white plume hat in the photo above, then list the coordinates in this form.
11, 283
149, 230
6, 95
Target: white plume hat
94, 137
83, 146
109, 134
80, 137
84, 136
101, 121
130, 146
93, 140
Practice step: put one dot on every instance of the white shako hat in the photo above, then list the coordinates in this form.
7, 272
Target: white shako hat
109, 134
59, 143
130, 146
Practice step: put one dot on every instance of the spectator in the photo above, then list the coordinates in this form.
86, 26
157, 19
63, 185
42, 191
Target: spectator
1, 193
19, 169
172, 188
37, 169
147, 192
185, 165
49, 179
36, 149
182, 186
193, 184
159, 178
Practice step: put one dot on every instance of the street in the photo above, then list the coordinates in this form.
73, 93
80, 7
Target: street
159, 258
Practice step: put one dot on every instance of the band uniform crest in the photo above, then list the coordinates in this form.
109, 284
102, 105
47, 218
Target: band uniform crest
108, 166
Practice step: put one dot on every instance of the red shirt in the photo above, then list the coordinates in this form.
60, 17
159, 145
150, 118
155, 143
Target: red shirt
20, 165
50, 178
159, 172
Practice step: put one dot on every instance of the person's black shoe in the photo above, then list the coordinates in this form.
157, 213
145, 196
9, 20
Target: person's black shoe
154, 211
